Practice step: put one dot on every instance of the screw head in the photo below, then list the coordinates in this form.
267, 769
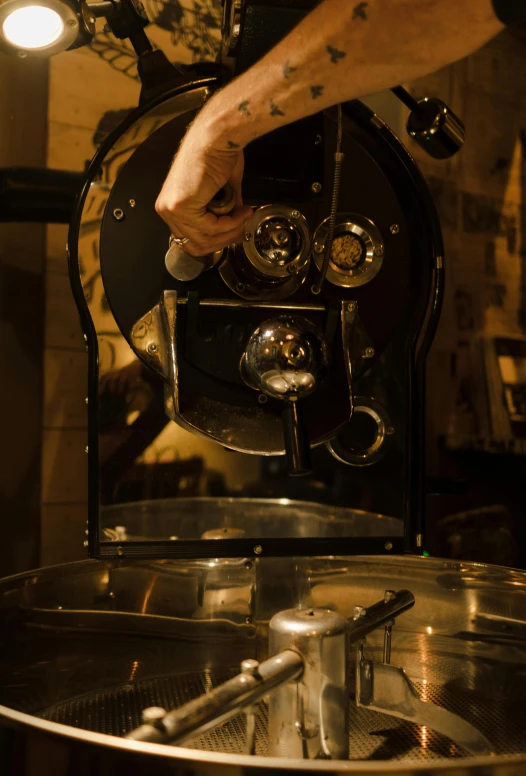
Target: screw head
292, 269
85, 543
379, 250
248, 620
359, 611
351, 307
317, 140
248, 565
389, 430
295, 214
120, 550
368, 353
318, 247
389, 595
86, 400
262, 398
316, 187
86, 449
91, 20
240, 287
258, 549
118, 214
394, 228
152, 347
248, 236
388, 546
132, 203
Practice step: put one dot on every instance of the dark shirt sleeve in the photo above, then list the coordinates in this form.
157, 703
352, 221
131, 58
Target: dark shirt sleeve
510, 11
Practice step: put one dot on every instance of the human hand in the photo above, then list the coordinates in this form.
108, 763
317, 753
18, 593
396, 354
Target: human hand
197, 173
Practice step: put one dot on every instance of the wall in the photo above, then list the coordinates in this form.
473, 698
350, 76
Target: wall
23, 130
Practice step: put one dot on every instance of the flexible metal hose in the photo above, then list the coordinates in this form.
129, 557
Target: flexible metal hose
338, 160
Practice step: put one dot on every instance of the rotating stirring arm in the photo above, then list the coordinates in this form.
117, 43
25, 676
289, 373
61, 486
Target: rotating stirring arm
307, 680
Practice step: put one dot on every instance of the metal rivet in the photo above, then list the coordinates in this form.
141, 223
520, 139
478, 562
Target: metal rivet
389, 430
59, 607
368, 353
351, 307
317, 140
240, 287
120, 550
248, 236
262, 398
359, 611
86, 400
258, 549
292, 269
249, 666
118, 214
394, 229
153, 715
91, 20
379, 250
295, 214
85, 544
316, 187
152, 347
389, 595
248, 565
388, 545
248, 620
86, 449
132, 202
318, 247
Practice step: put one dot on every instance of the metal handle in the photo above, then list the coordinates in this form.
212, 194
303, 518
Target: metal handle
227, 700
367, 620
223, 202
297, 445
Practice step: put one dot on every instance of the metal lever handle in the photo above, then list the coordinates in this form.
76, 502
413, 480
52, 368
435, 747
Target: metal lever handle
297, 445
185, 267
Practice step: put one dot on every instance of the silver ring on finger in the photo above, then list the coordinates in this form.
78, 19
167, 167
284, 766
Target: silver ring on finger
179, 240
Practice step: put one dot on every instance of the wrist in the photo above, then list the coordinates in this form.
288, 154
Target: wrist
223, 126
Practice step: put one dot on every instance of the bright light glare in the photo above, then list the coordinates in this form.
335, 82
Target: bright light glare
33, 27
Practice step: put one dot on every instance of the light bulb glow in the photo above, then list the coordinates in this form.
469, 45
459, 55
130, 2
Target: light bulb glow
33, 27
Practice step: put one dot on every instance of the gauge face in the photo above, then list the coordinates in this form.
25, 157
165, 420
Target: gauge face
347, 251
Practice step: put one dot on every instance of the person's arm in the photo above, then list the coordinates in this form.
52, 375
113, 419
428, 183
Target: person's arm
341, 51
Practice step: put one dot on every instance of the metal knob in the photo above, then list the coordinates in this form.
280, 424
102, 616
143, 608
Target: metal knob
436, 129
286, 358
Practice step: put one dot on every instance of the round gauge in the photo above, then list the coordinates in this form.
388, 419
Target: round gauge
357, 250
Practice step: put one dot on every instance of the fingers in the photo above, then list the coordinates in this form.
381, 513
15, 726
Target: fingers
200, 245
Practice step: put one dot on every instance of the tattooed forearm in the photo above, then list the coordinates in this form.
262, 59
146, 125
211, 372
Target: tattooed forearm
316, 91
360, 11
274, 110
243, 107
231, 144
288, 70
335, 54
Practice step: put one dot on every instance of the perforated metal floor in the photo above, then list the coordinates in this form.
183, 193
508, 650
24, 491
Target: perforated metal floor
373, 736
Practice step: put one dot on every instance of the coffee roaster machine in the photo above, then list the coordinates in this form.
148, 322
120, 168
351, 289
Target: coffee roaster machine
293, 624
